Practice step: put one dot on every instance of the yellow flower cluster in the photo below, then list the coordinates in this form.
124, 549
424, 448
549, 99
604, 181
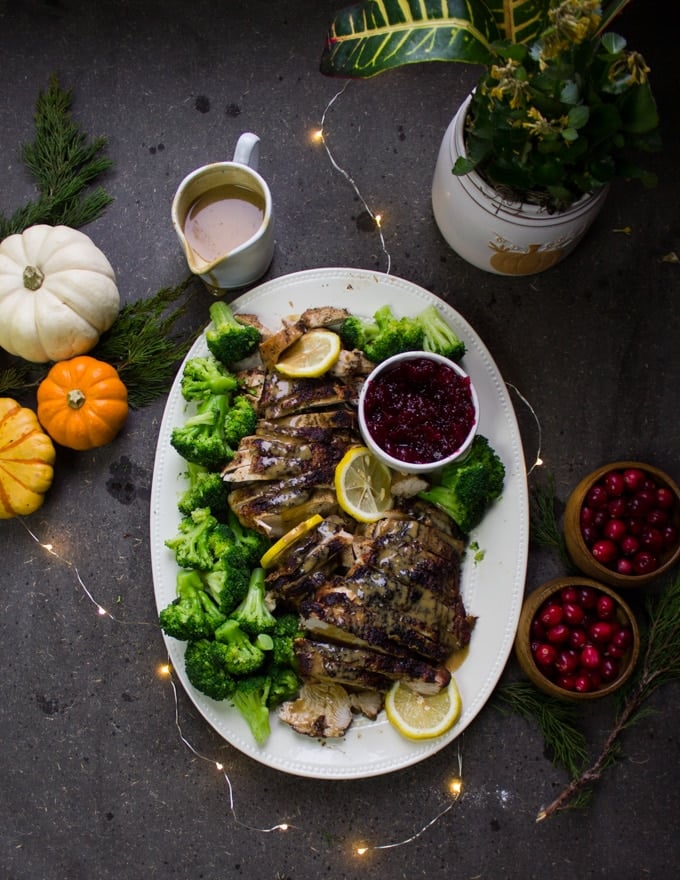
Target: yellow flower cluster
540, 126
508, 85
572, 22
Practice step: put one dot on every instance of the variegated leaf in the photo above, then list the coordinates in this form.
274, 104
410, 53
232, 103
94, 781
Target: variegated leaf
378, 35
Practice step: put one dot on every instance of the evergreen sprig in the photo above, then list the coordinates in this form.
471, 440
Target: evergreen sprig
556, 720
64, 166
545, 529
144, 344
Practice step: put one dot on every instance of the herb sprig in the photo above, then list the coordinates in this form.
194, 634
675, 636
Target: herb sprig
64, 166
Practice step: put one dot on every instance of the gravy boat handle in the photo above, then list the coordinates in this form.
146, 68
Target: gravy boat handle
247, 151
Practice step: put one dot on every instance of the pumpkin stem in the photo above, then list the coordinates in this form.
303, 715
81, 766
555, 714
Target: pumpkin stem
33, 277
75, 398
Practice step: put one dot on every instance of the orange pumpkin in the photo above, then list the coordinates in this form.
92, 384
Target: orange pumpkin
26, 460
82, 403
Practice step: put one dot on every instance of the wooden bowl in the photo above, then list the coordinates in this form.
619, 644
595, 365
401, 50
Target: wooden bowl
579, 551
525, 635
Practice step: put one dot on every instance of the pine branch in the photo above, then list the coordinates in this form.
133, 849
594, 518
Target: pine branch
556, 721
545, 529
660, 666
64, 166
144, 345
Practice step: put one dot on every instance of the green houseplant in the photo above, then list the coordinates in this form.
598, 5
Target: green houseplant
562, 107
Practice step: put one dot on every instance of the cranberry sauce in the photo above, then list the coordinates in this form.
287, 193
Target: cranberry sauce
419, 410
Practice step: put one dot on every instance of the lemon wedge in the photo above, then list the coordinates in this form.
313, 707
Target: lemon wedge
276, 550
422, 716
363, 485
311, 355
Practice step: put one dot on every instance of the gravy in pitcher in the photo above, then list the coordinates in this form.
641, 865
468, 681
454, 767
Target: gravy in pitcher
222, 219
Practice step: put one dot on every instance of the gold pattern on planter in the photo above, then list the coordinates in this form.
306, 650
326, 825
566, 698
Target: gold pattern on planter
514, 260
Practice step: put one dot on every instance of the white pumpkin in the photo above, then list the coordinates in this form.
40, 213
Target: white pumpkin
58, 293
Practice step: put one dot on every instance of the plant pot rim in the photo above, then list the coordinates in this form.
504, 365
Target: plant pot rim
488, 198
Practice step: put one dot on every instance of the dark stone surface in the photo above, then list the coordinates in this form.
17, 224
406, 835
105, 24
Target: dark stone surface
96, 780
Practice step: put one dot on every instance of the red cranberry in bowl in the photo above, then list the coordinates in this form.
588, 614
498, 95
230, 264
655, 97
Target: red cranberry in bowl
622, 524
587, 653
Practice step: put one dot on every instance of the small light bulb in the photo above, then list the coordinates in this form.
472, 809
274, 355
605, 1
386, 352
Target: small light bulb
361, 850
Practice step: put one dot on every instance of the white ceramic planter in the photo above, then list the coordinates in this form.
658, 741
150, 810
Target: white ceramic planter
502, 237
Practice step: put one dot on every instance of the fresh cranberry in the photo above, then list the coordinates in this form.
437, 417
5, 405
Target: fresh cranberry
577, 638
604, 551
651, 539
634, 479
616, 530
582, 684
635, 524
573, 613
605, 607
537, 630
657, 517
566, 661
590, 535
558, 634
670, 536
545, 655
614, 483
624, 566
568, 681
551, 614
664, 498
597, 496
609, 669
645, 562
586, 517
630, 545
623, 637
590, 657
600, 632
617, 508
568, 594
641, 503
588, 597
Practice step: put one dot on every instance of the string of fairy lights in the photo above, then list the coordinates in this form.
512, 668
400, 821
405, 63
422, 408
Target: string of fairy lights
454, 785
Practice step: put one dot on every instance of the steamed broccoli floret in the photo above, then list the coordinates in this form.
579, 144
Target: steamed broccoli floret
206, 489
254, 543
242, 657
199, 541
464, 489
206, 670
227, 582
252, 614
240, 420
284, 685
355, 332
227, 339
250, 697
438, 336
383, 336
200, 439
193, 614
286, 630
205, 376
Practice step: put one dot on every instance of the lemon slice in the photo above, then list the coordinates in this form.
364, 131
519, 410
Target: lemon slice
311, 355
269, 558
420, 716
363, 485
